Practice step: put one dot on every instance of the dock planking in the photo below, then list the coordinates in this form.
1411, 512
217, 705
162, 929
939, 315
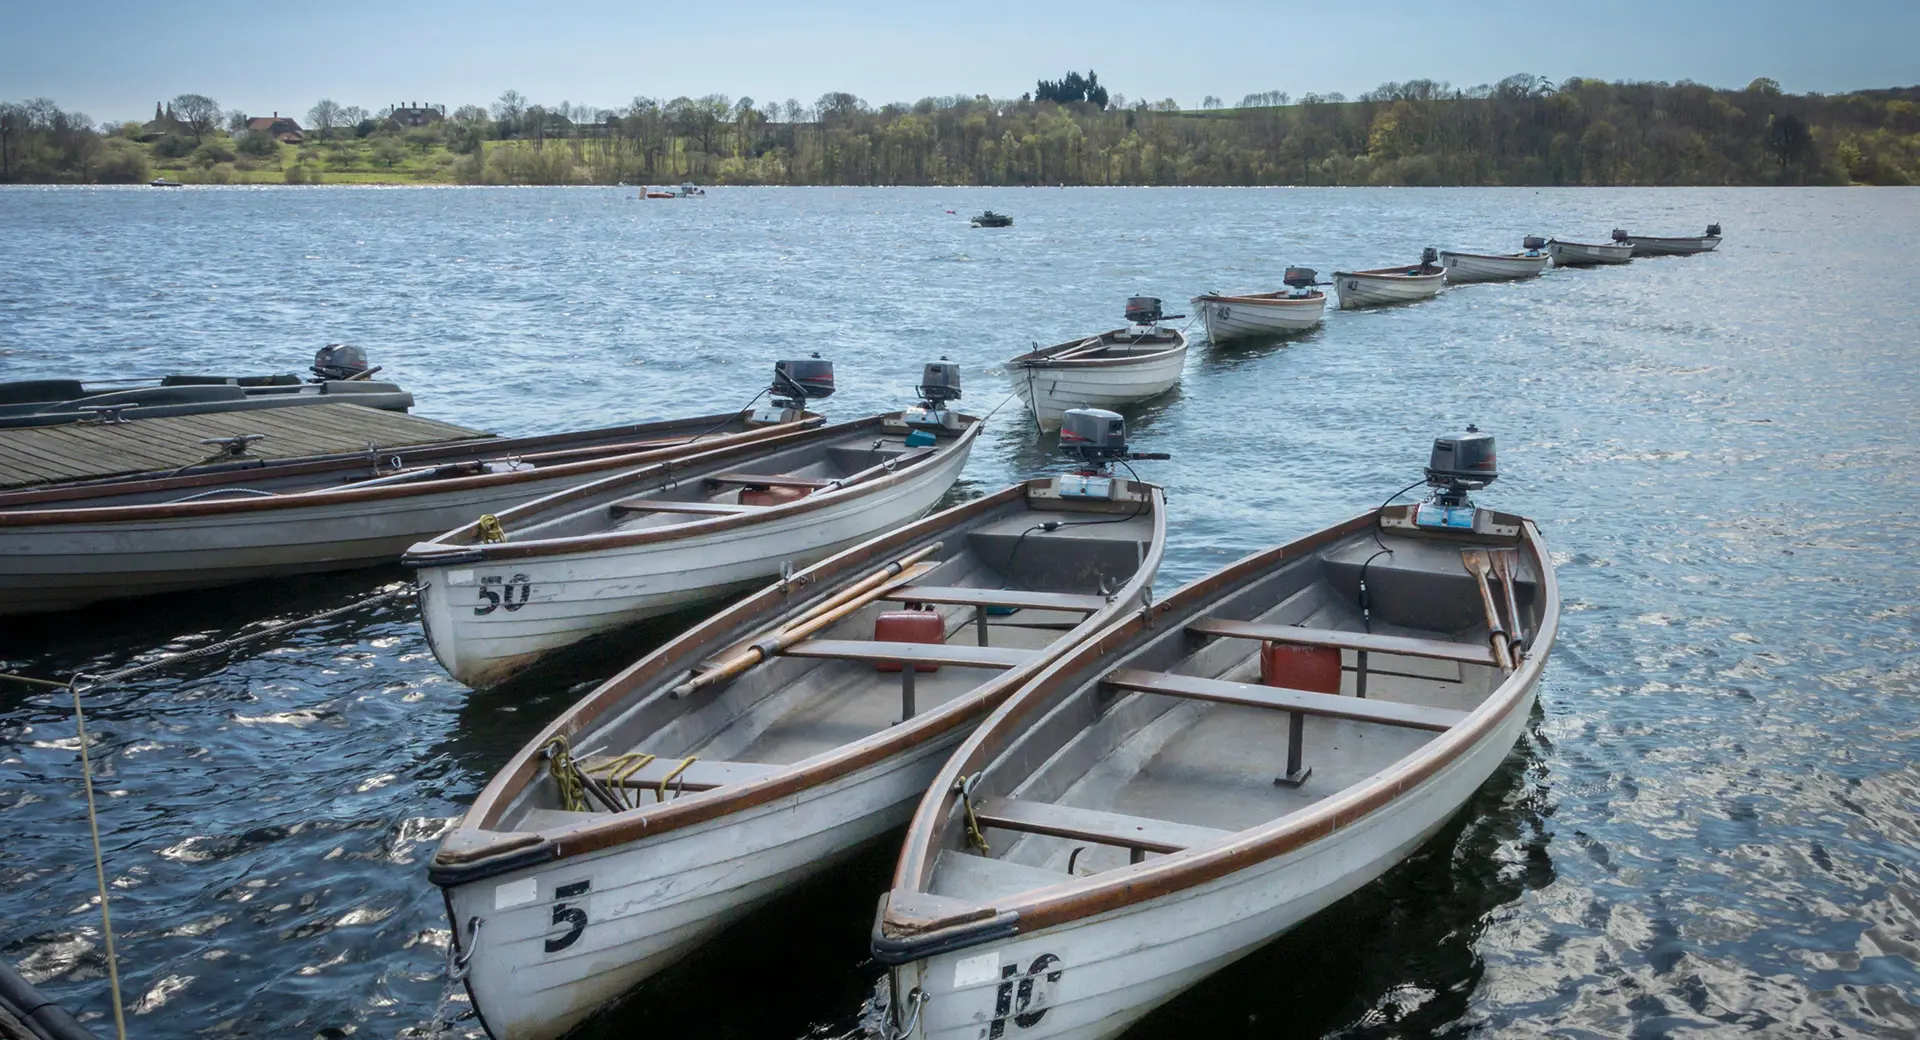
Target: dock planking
85, 451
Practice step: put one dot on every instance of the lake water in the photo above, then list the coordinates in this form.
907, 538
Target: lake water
1711, 825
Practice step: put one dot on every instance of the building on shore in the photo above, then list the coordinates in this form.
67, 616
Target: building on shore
282, 128
414, 114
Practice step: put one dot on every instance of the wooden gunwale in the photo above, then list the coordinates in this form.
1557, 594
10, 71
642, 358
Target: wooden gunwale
1393, 272
1043, 359
468, 842
1116, 889
1272, 299
1444, 253
603, 540
177, 510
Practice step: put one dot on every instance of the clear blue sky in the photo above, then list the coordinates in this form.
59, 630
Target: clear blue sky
115, 59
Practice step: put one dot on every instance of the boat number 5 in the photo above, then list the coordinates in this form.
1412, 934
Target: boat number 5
569, 915
497, 592
1025, 997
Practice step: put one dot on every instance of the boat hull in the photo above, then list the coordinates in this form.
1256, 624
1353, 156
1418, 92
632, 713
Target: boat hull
1050, 390
1360, 289
1675, 246
648, 903
1463, 268
1583, 254
1096, 977
1233, 318
566, 597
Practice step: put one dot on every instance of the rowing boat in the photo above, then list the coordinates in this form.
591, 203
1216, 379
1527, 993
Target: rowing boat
764, 745
1381, 286
1229, 317
1651, 245
1110, 370
1588, 254
1200, 777
501, 592
66, 546
1488, 267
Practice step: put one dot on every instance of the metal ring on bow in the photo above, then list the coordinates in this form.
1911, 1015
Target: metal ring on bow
457, 961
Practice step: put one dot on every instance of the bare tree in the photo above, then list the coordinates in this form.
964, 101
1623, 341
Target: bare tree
352, 116
508, 110
324, 116
200, 112
1210, 102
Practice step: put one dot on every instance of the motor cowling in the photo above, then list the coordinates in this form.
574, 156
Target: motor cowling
1300, 277
940, 381
339, 361
1533, 243
1429, 256
1144, 310
804, 379
1093, 436
1713, 231
1463, 461
1620, 235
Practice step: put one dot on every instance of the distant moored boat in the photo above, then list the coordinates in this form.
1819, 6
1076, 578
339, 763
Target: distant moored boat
1502, 267
1252, 315
992, 219
1385, 285
1587, 254
1648, 245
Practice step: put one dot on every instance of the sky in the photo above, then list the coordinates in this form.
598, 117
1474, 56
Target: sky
113, 60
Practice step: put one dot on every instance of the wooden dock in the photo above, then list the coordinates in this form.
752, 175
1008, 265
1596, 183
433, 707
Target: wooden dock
85, 451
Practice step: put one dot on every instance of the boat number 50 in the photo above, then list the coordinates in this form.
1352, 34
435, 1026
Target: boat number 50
1025, 997
496, 592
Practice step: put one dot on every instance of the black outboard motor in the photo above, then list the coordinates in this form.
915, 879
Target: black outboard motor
1096, 438
1533, 244
1621, 236
1459, 463
1713, 231
939, 384
1143, 310
1301, 278
1429, 257
339, 361
794, 383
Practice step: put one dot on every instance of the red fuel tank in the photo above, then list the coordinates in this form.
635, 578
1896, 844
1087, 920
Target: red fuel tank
1314, 668
909, 626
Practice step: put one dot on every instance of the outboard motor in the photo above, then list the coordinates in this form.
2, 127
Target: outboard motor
794, 384
1143, 310
339, 361
1429, 257
939, 384
1533, 244
1713, 231
1095, 439
1621, 236
1459, 463
1300, 279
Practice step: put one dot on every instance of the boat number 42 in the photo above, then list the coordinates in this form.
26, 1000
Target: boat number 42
496, 592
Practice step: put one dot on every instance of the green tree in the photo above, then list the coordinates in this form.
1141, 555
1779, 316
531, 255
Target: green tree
198, 112
388, 152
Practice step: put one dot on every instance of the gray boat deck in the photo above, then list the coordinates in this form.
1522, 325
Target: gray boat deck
86, 451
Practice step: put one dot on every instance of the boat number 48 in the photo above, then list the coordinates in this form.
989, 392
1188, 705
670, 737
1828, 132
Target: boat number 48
496, 592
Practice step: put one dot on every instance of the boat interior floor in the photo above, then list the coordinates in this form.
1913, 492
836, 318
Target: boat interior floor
1156, 773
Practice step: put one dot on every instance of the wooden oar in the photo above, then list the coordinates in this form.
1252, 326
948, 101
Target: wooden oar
901, 571
1476, 561
1506, 564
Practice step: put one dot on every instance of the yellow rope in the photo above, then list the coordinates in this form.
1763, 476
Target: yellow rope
965, 786
566, 777
99, 864
661, 794
619, 769
490, 529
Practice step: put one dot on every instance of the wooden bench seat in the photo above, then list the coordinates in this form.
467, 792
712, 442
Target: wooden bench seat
1305, 702
958, 596
649, 505
701, 775
1405, 646
1138, 833
957, 655
768, 481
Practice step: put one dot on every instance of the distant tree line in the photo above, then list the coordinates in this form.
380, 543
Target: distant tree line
1523, 130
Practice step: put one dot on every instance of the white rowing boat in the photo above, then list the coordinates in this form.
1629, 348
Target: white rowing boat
1382, 286
765, 744
1229, 317
1651, 245
496, 595
1111, 370
1588, 254
66, 546
1462, 268
1199, 778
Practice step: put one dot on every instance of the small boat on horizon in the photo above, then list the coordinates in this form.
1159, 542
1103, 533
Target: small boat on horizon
1462, 268
507, 589
1121, 367
764, 745
1205, 774
1230, 317
1649, 245
162, 182
1382, 286
1589, 254
992, 219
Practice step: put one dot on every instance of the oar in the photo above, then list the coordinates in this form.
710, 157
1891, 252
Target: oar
1476, 561
872, 587
1506, 564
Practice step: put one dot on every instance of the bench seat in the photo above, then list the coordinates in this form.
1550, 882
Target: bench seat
1105, 828
768, 481
1301, 702
957, 655
648, 505
702, 775
1405, 646
958, 596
